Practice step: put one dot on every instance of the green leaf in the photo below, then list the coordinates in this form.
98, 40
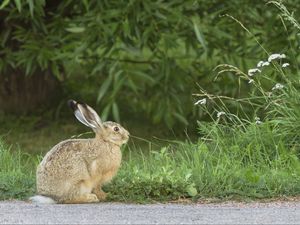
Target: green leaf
117, 86
86, 4
126, 28
198, 33
4, 3
31, 6
133, 86
98, 68
105, 112
104, 88
6, 35
29, 66
251, 176
115, 111
144, 76
75, 29
181, 118
19, 5
55, 70
191, 190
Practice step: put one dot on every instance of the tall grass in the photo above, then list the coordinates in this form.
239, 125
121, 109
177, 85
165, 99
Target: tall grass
230, 163
249, 149
236, 157
17, 177
250, 164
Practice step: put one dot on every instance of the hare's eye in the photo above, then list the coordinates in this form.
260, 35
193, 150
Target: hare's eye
116, 129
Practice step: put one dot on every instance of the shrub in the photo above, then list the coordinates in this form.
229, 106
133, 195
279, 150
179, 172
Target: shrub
143, 56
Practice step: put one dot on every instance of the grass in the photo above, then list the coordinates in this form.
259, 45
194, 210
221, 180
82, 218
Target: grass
235, 164
249, 149
17, 175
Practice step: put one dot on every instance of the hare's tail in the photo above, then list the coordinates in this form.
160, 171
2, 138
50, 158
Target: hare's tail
40, 199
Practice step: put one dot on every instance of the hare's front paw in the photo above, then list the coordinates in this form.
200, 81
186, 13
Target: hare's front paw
100, 194
91, 198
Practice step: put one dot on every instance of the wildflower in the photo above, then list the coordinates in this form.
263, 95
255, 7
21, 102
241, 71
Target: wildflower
277, 86
276, 56
251, 72
201, 102
265, 64
250, 81
257, 121
283, 56
262, 64
220, 114
284, 65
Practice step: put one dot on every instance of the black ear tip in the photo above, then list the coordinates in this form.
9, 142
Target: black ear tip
82, 104
72, 104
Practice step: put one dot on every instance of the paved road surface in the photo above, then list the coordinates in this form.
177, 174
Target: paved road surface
115, 213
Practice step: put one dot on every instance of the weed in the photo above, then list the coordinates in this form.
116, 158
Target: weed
232, 164
17, 177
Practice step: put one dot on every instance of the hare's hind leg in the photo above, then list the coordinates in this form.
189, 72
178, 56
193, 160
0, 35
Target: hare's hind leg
80, 193
86, 198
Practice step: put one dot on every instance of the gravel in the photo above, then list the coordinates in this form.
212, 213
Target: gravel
117, 213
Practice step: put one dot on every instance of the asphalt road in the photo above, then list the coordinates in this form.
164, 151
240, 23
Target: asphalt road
115, 213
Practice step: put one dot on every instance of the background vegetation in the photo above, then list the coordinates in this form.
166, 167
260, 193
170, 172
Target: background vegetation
146, 64
145, 57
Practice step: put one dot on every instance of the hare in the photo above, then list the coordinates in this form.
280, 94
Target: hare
74, 170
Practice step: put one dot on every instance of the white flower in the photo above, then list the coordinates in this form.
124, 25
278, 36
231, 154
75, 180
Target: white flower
250, 81
265, 64
201, 102
251, 72
276, 56
285, 65
220, 114
277, 86
260, 63
257, 120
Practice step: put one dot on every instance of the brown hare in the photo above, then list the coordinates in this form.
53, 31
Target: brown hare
74, 170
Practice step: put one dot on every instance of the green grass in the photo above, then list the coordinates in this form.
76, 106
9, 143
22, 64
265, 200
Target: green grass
17, 174
232, 164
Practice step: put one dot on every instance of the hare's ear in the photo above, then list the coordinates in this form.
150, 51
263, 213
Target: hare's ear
85, 114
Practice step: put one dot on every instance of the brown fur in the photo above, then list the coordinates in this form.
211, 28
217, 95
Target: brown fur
74, 170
